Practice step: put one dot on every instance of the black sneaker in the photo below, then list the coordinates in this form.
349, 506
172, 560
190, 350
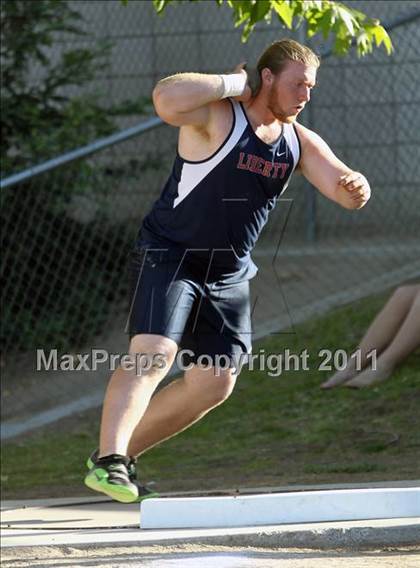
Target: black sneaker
143, 492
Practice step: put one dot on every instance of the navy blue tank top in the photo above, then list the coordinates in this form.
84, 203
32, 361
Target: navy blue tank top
216, 208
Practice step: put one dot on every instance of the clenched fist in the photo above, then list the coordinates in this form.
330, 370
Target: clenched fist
358, 189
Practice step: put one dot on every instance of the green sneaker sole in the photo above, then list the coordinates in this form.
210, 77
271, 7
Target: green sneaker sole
139, 499
95, 481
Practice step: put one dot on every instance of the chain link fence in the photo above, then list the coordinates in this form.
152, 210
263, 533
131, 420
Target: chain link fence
67, 232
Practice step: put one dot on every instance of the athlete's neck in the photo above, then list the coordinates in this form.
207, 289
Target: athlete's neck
259, 114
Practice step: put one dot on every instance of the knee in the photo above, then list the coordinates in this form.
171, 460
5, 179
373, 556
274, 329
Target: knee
416, 301
153, 355
404, 296
220, 387
406, 292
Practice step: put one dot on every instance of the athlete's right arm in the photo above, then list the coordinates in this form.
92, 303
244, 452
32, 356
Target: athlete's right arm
184, 99
188, 98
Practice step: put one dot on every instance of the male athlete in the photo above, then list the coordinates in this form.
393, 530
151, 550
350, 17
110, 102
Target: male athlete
238, 147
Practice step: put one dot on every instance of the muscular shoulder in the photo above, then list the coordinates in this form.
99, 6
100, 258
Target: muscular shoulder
311, 143
306, 136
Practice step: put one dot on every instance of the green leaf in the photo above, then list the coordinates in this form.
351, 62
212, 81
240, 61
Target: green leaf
241, 12
259, 10
325, 23
247, 32
322, 16
381, 36
360, 16
311, 30
347, 19
240, 19
284, 11
319, 4
342, 45
160, 5
364, 43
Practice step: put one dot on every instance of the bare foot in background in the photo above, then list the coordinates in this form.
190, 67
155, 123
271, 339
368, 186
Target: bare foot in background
393, 335
371, 376
341, 377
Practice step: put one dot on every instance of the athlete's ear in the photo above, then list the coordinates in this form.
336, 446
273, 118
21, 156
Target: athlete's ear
267, 76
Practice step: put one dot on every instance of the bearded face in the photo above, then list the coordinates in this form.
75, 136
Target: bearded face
290, 90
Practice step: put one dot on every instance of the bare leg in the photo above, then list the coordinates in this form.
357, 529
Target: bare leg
128, 394
380, 333
405, 342
179, 405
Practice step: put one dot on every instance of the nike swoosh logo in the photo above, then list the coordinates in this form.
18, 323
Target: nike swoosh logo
282, 154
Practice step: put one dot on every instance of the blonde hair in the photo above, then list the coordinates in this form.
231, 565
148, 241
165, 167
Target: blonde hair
280, 52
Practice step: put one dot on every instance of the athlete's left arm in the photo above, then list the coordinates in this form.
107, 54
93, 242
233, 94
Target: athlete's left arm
330, 175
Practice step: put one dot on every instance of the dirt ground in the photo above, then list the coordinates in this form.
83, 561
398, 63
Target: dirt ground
199, 556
